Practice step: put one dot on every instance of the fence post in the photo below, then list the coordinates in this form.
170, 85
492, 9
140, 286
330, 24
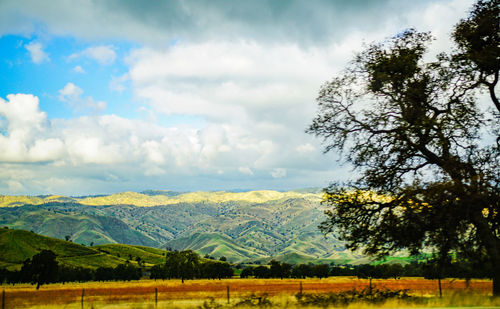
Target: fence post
156, 297
300, 292
83, 294
3, 299
227, 289
440, 290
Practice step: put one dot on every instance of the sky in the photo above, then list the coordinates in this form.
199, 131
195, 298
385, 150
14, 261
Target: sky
107, 96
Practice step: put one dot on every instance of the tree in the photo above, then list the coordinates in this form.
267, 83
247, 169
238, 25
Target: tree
436, 268
246, 272
261, 272
478, 46
41, 269
215, 269
321, 270
157, 272
183, 264
429, 177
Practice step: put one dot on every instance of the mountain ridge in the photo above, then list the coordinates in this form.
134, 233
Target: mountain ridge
242, 226
159, 197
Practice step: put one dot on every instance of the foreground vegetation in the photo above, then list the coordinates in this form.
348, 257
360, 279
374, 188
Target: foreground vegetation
245, 293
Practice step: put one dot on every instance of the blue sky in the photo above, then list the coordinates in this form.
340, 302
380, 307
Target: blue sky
45, 77
108, 96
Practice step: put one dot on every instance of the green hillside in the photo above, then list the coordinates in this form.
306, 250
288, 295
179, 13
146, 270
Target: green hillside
68, 220
151, 256
216, 245
18, 245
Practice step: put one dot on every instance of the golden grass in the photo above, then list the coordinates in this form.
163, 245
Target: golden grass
174, 294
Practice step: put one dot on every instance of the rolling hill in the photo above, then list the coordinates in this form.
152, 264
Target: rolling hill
18, 245
242, 226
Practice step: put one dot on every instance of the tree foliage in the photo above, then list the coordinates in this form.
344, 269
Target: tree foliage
429, 171
42, 268
188, 265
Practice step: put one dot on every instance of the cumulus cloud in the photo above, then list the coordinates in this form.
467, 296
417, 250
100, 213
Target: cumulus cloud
37, 54
242, 79
27, 136
78, 69
103, 54
72, 95
108, 148
256, 100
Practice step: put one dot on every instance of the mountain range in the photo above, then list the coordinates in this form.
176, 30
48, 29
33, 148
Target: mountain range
252, 226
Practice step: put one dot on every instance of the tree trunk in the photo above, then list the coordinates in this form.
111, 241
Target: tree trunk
492, 244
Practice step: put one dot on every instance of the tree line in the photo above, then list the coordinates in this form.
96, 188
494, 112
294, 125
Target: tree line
429, 269
43, 268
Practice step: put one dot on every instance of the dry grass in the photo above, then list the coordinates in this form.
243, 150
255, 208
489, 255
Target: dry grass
191, 294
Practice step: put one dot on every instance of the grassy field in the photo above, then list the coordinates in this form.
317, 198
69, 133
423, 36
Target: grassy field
243, 293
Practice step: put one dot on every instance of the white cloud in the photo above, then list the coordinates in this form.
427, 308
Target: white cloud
306, 148
246, 80
78, 69
117, 83
104, 54
256, 100
245, 170
36, 52
15, 186
278, 172
70, 92
72, 95
109, 150
27, 135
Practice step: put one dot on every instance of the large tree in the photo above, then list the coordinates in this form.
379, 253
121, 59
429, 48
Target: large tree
423, 144
42, 268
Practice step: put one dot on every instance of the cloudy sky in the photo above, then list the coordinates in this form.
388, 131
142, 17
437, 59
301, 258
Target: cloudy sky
108, 96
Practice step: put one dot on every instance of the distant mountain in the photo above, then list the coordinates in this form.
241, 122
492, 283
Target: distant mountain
160, 197
84, 226
215, 244
242, 226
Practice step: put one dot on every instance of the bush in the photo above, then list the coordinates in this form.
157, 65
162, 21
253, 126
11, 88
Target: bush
348, 297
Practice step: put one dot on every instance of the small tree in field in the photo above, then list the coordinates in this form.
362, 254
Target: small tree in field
427, 151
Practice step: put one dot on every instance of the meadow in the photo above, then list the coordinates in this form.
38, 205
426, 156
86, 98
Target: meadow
246, 293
